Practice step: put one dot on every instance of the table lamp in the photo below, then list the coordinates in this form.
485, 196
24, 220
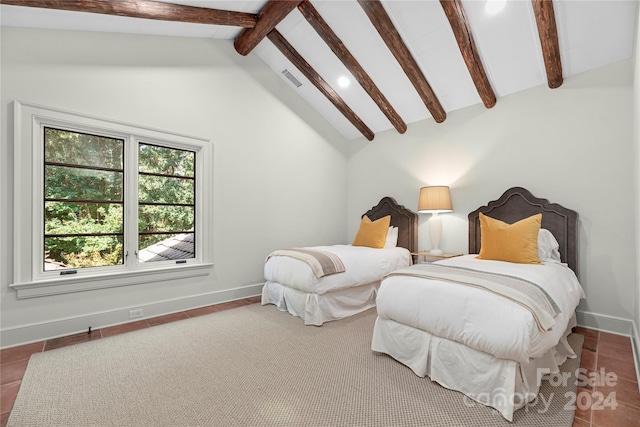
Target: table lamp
435, 199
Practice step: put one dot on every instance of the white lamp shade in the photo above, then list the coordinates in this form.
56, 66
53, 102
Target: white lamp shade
435, 199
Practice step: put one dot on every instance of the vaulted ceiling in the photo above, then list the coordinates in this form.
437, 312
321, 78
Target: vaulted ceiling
368, 65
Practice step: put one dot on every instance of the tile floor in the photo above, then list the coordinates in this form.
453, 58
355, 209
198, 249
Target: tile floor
602, 354
613, 391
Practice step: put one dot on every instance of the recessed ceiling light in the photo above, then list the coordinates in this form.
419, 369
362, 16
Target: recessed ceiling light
343, 82
494, 6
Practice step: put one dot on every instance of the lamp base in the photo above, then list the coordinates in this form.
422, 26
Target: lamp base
435, 231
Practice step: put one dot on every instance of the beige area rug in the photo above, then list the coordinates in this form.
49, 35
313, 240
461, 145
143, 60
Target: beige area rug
250, 366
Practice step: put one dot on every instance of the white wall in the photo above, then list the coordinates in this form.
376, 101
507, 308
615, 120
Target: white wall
572, 145
279, 169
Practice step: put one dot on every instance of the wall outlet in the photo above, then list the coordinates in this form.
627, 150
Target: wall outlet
133, 314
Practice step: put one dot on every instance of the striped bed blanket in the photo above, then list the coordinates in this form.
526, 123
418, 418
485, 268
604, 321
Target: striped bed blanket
523, 292
322, 263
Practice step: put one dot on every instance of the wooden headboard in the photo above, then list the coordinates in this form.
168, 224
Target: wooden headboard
518, 203
401, 217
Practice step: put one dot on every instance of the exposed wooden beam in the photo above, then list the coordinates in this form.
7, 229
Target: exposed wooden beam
146, 9
381, 21
462, 31
287, 50
271, 14
546, 20
333, 41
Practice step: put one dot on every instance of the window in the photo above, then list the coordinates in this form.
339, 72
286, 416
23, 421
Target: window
83, 200
111, 203
166, 203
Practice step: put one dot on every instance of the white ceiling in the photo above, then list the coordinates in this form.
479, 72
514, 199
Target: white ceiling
592, 33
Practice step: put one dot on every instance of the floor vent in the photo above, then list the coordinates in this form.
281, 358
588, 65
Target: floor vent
285, 72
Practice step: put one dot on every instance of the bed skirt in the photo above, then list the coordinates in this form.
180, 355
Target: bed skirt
505, 385
315, 309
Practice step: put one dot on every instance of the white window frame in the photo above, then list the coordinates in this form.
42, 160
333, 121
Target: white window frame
30, 279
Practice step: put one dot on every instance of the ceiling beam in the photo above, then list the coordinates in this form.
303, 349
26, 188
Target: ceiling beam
146, 9
271, 14
287, 50
548, 32
352, 64
381, 21
462, 31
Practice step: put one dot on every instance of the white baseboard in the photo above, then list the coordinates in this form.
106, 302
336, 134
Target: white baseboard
614, 325
26, 334
605, 323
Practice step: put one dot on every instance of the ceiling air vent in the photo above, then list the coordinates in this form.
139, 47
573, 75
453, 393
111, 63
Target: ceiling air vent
285, 72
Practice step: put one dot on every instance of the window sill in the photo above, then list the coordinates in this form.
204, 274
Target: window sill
67, 285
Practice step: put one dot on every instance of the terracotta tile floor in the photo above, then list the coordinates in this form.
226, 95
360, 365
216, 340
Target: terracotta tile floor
610, 398
603, 355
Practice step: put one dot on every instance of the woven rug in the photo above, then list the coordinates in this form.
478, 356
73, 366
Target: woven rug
251, 366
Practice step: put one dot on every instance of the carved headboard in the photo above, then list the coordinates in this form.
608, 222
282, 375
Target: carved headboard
401, 217
518, 203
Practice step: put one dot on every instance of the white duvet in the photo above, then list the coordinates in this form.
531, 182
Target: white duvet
363, 265
477, 318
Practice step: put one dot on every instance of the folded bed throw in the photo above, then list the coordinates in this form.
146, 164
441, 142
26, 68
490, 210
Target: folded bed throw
322, 263
528, 294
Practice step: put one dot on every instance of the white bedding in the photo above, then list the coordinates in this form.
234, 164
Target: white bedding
479, 319
316, 309
363, 265
470, 340
503, 384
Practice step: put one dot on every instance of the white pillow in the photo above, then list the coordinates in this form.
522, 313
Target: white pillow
548, 246
392, 238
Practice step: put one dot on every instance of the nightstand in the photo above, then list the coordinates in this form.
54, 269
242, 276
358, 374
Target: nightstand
427, 257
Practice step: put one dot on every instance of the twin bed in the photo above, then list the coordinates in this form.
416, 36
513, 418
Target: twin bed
484, 327
478, 342
293, 286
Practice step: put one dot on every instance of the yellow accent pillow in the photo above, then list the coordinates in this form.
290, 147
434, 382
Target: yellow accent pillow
372, 234
517, 242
